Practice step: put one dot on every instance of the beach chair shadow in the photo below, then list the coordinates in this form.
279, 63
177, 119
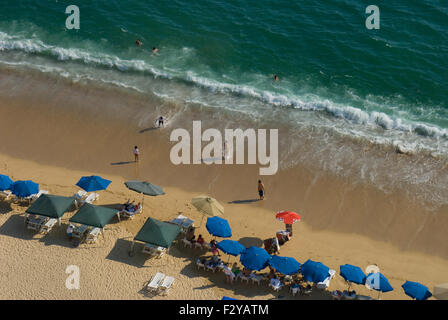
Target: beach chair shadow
120, 253
15, 227
251, 241
58, 236
5, 207
243, 201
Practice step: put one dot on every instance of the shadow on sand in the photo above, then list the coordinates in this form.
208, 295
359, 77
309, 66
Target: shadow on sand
121, 163
5, 207
243, 201
148, 129
251, 241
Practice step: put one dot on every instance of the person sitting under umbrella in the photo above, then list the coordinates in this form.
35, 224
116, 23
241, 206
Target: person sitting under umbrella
200, 240
214, 247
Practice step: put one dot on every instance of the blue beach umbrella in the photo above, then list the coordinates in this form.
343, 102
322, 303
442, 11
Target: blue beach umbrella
24, 188
378, 282
228, 298
416, 290
352, 274
255, 258
93, 183
314, 271
285, 265
218, 227
231, 247
5, 182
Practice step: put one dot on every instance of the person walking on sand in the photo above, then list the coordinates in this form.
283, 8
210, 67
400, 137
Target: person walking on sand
136, 153
261, 189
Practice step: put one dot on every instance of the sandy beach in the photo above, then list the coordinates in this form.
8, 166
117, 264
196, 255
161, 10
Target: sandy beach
54, 134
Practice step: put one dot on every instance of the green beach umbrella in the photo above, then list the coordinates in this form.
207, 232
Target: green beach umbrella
95, 216
145, 188
51, 206
207, 205
157, 233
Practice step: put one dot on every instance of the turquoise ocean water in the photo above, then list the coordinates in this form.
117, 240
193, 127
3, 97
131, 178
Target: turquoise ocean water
388, 85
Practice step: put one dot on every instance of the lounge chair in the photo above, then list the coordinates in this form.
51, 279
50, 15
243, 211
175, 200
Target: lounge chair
294, 289
336, 295
130, 214
326, 283
5, 194
34, 197
276, 284
243, 277
91, 198
197, 245
156, 281
256, 278
92, 236
79, 232
35, 222
200, 264
79, 196
184, 222
211, 267
306, 291
349, 295
166, 284
48, 225
187, 243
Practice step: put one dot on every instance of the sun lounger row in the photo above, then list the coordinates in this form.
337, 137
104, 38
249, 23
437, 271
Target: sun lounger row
160, 283
82, 197
39, 223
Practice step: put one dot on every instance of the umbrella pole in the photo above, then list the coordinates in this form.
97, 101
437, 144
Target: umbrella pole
201, 220
143, 200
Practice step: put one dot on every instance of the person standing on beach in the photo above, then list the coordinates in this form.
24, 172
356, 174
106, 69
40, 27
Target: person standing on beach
261, 189
136, 153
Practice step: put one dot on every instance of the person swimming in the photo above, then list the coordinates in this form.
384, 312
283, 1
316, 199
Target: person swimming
155, 50
138, 42
275, 77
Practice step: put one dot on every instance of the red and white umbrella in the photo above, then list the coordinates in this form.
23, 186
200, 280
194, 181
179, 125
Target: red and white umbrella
288, 217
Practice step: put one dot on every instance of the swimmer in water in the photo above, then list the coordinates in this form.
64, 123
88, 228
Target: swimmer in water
155, 50
138, 42
275, 77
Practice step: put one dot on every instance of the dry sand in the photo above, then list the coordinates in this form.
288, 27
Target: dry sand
33, 266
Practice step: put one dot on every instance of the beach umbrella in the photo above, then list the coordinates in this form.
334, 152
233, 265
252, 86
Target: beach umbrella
352, 274
218, 227
416, 290
145, 188
208, 206
314, 271
93, 183
378, 282
95, 216
157, 233
231, 247
255, 258
5, 182
285, 265
24, 188
228, 298
288, 217
51, 206
441, 291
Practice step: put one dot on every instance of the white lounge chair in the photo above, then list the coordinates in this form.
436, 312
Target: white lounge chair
256, 278
34, 197
91, 198
130, 214
200, 264
294, 290
92, 236
187, 243
184, 222
79, 196
326, 283
276, 284
5, 194
154, 284
35, 222
79, 232
166, 284
243, 277
48, 225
